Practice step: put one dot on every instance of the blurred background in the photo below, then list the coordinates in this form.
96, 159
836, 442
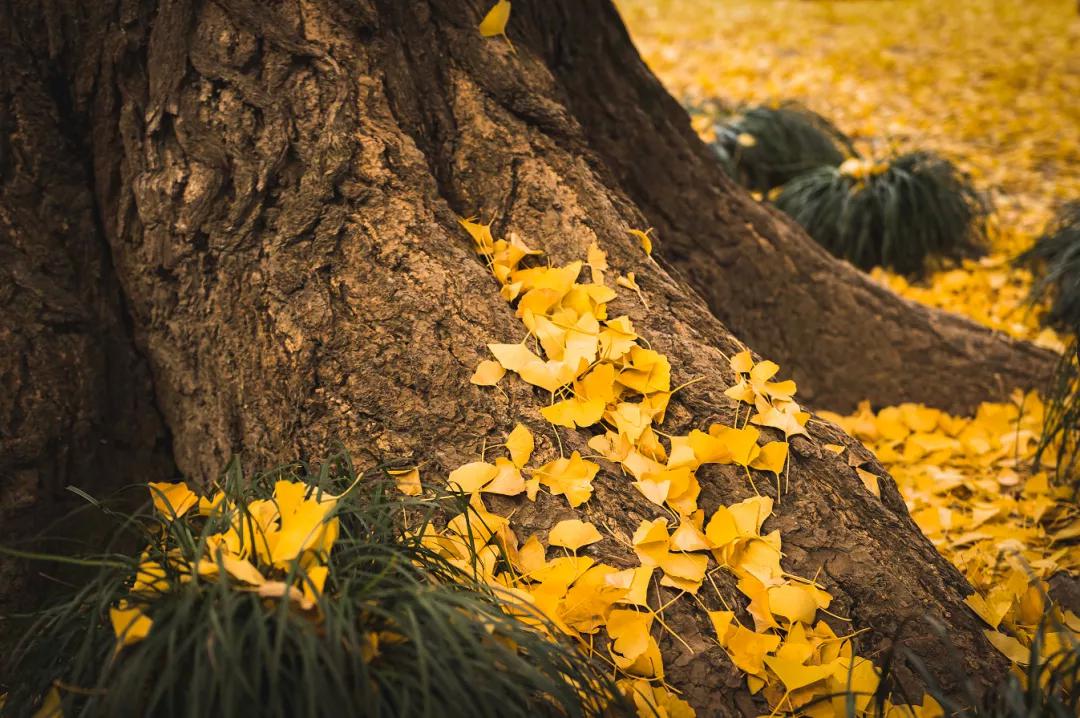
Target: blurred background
990, 86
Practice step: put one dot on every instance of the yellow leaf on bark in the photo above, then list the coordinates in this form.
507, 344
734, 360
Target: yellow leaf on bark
488, 373
494, 22
408, 481
573, 534
520, 443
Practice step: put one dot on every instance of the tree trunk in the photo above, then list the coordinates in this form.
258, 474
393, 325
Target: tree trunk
76, 405
279, 186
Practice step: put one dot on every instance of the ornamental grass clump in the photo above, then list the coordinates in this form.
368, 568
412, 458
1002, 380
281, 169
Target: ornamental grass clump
764, 147
1055, 259
1059, 443
896, 214
292, 595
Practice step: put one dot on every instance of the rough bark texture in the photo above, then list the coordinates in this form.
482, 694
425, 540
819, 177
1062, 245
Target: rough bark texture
279, 184
845, 337
76, 406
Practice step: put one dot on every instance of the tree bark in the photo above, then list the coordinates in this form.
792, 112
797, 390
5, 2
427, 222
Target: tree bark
279, 188
76, 405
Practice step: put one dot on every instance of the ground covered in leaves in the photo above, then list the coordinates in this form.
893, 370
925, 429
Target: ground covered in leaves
991, 85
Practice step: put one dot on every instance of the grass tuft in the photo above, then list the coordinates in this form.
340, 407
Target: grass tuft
764, 147
398, 630
895, 214
1055, 259
1060, 440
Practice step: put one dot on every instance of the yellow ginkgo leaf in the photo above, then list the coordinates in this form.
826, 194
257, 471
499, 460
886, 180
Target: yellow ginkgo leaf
596, 258
313, 585
687, 566
573, 534
481, 234
750, 514
569, 477
870, 481
748, 649
172, 500
530, 556
650, 541
636, 583
472, 476
494, 23
688, 537
708, 449
858, 678
655, 491
742, 362
991, 613
151, 577
280, 589
780, 390
759, 558
550, 375
239, 568
721, 529
761, 373
721, 621
520, 444
797, 601
647, 371
655, 700
508, 480
130, 624
741, 443
211, 504
794, 674
301, 529
629, 634
488, 373
630, 282
407, 480
598, 384
574, 412
646, 241
617, 338
792, 423
759, 608
741, 391
772, 458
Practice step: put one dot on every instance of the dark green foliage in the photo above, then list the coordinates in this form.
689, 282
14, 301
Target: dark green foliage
1055, 258
897, 215
788, 141
215, 650
1061, 421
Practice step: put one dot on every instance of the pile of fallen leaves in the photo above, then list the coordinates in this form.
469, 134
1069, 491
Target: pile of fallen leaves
989, 85
970, 485
601, 377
